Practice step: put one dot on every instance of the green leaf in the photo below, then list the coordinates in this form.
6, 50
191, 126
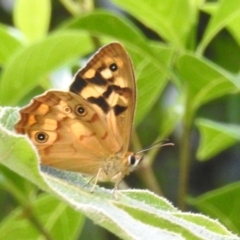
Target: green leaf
210, 7
115, 27
45, 215
234, 28
232, 25
151, 81
214, 204
137, 214
172, 20
205, 80
32, 17
215, 137
8, 45
119, 28
11, 145
228, 10
30, 65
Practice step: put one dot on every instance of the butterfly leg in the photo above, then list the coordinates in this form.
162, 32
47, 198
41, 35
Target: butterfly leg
119, 178
88, 182
96, 179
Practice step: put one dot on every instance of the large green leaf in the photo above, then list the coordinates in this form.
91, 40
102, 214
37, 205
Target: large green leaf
151, 81
115, 27
30, 65
171, 19
137, 214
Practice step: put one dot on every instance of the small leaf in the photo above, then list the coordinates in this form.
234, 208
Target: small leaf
215, 137
214, 204
39, 220
227, 11
232, 25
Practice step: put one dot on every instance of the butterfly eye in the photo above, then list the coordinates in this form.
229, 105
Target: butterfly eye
132, 159
41, 137
113, 67
80, 110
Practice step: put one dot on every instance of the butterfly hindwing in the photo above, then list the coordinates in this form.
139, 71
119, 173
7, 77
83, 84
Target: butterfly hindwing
67, 130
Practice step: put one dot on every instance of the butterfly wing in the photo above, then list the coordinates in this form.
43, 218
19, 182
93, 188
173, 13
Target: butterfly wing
108, 83
90, 125
67, 131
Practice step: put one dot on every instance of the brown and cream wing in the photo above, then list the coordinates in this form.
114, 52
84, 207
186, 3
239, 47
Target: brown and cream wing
67, 131
108, 83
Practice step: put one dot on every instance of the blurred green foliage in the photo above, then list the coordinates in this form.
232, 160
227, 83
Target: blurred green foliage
186, 59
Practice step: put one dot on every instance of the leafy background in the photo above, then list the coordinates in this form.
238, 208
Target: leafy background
186, 59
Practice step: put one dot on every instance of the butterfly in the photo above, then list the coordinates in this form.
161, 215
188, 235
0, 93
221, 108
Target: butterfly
87, 129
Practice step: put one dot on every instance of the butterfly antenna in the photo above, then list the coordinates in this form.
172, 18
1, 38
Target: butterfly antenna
156, 145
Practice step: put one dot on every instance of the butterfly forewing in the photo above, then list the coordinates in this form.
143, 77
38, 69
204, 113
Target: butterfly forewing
107, 81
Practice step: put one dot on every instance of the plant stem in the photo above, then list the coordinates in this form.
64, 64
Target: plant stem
185, 157
184, 168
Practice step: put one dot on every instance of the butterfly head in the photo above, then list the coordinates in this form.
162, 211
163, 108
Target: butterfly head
133, 161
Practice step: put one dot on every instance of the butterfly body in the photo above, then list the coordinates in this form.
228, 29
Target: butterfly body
87, 129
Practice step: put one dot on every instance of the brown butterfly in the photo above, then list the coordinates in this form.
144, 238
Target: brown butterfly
88, 128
